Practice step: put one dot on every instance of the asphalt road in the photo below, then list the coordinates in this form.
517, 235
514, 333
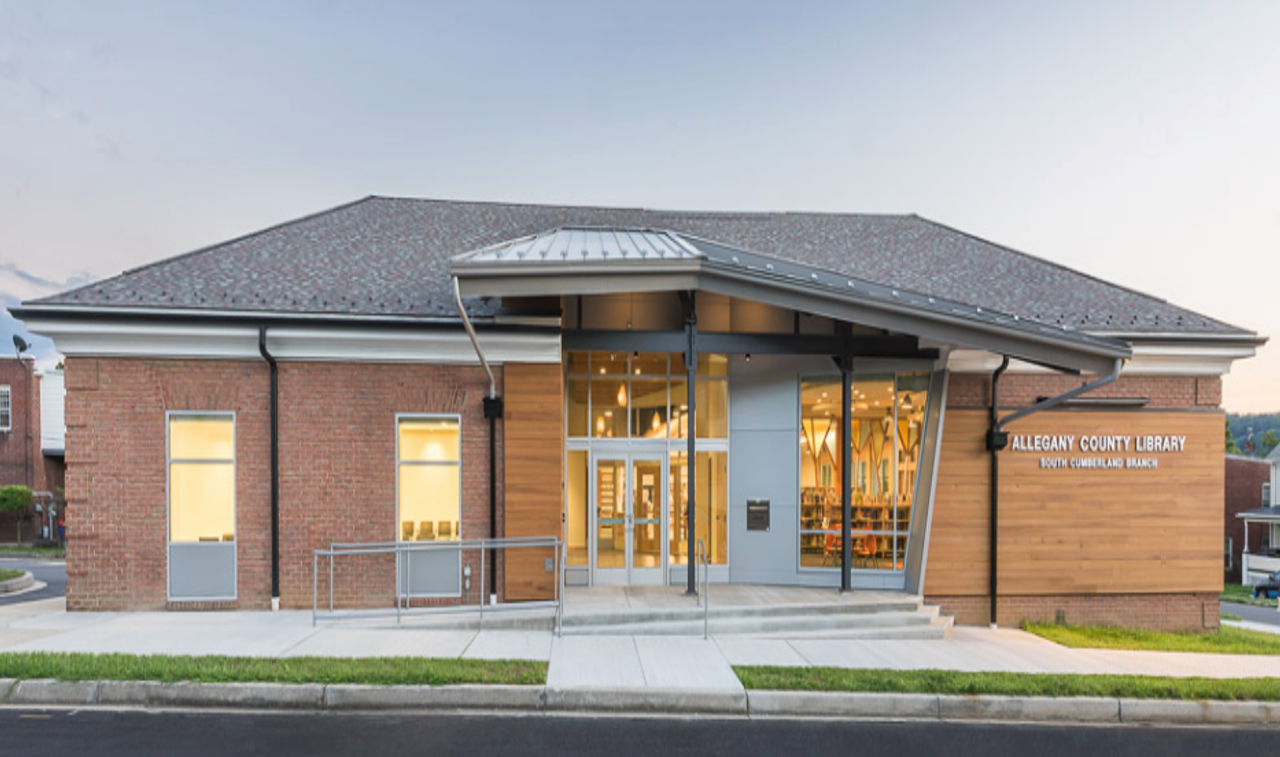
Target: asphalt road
1252, 613
51, 572
137, 734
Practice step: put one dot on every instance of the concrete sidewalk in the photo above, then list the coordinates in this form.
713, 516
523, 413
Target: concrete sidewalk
589, 662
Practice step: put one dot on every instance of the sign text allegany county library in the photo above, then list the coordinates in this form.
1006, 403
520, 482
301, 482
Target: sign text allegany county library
1102, 451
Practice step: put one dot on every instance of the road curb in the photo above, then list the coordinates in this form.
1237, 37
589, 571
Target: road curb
657, 701
668, 701
24, 581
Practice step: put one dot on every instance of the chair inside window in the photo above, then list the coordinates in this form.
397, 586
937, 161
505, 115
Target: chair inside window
446, 530
406, 530
426, 531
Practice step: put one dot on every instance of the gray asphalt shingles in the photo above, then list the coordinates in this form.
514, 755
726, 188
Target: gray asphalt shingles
390, 256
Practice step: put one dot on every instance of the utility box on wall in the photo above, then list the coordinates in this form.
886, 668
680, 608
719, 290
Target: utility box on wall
757, 515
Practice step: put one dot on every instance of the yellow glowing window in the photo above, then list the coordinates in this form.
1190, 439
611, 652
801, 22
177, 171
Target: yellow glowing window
202, 478
428, 478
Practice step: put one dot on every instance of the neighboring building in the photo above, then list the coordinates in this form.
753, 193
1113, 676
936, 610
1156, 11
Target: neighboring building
1248, 487
26, 395
783, 354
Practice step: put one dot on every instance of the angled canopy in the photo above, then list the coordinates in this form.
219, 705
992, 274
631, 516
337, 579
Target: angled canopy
602, 260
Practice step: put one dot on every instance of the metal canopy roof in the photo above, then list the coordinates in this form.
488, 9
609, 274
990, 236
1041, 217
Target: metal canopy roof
601, 260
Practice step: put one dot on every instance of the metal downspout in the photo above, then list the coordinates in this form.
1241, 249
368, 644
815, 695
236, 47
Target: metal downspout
492, 411
998, 439
275, 467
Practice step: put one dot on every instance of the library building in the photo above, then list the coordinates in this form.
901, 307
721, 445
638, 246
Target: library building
532, 401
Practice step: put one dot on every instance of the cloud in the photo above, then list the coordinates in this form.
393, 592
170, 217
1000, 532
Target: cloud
18, 285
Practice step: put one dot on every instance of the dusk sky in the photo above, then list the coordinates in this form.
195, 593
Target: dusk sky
1136, 141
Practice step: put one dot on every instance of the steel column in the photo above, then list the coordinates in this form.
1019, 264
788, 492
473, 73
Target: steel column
846, 471
691, 374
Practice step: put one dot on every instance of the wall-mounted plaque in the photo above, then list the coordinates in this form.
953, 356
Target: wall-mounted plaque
757, 515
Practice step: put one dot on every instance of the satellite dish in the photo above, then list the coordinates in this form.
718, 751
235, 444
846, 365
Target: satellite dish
20, 344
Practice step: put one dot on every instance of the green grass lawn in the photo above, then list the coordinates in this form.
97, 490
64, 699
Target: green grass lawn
1226, 640
1229, 616
377, 670
1008, 684
39, 553
1243, 595
6, 574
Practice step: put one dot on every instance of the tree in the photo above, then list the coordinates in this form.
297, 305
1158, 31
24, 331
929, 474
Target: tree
1232, 447
15, 499
1269, 442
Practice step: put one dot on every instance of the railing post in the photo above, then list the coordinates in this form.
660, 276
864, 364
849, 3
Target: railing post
482, 584
330, 579
315, 588
396, 553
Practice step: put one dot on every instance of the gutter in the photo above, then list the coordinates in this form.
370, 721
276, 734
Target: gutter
492, 411
275, 467
998, 439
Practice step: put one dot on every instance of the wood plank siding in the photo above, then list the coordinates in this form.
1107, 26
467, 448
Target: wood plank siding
1080, 531
533, 448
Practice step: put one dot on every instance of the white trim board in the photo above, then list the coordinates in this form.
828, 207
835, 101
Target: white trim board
1149, 359
371, 345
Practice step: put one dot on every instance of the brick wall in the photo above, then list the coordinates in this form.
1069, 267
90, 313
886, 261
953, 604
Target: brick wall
1162, 612
337, 463
971, 390
1244, 480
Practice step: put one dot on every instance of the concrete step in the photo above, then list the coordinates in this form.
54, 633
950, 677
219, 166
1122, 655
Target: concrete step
749, 625
695, 612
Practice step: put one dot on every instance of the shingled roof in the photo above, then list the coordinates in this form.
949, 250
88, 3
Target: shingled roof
390, 257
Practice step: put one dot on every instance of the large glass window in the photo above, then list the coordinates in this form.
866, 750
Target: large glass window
643, 395
887, 426
202, 478
711, 480
428, 478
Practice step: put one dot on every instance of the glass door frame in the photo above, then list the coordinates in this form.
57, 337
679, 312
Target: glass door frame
629, 574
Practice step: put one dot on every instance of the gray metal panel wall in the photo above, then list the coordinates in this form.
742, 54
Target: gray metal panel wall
764, 459
926, 484
202, 571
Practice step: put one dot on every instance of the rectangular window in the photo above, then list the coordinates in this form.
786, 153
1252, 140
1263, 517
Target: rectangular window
1266, 494
428, 478
1228, 562
6, 415
643, 395
202, 478
711, 479
887, 429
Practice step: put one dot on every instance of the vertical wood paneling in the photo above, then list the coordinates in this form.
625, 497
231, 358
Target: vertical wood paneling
533, 442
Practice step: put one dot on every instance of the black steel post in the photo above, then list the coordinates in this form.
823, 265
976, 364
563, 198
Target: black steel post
996, 441
846, 471
691, 374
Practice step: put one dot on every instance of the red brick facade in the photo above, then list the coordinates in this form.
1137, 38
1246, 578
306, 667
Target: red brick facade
21, 459
1020, 389
1166, 612
337, 464
1244, 480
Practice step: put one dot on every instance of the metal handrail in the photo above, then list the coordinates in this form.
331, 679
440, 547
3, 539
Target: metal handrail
704, 595
398, 548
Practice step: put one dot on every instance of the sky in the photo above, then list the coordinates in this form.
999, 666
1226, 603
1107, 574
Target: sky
1135, 141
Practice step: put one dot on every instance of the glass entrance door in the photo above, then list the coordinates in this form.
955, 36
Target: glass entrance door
630, 504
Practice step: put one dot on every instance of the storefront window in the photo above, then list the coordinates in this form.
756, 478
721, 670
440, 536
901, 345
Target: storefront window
642, 395
202, 478
711, 480
428, 478
886, 430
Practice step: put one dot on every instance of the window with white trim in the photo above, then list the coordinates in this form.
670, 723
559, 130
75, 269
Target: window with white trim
6, 412
428, 477
202, 478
